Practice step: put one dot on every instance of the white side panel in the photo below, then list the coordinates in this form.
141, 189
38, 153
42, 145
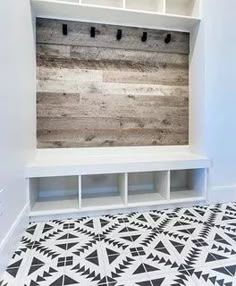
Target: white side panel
12, 238
17, 108
220, 61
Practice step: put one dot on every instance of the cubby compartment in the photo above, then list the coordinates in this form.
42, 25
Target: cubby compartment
146, 5
187, 184
183, 7
106, 3
148, 187
50, 194
105, 190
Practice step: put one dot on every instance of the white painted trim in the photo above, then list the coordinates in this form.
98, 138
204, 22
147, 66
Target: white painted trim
112, 15
115, 210
12, 238
49, 163
222, 194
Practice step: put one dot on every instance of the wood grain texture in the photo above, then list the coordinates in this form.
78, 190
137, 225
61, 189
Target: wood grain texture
50, 32
103, 92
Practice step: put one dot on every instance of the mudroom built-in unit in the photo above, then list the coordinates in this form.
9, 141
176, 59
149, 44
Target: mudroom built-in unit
120, 106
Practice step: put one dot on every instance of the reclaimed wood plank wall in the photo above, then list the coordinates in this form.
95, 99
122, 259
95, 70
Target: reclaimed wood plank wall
94, 92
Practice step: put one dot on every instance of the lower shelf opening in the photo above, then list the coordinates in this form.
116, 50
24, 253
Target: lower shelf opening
54, 193
147, 187
187, 184
103, 190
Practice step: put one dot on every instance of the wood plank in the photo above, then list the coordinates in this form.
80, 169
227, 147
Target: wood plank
150, 58
160, 77
60, 99
58, 51
130, 137
124, 123
73, 111
56, 79
49, 31
47, 52
115, 106
113, 65
131, 90
71, 75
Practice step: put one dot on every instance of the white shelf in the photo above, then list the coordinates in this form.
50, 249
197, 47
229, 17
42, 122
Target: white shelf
147, 5
99, 203
146, 199
136, 14
185, 195
103, 190
148, 187
183, 7
54, 206
74, 194
106, 3
85, 161
190, 184
52, 194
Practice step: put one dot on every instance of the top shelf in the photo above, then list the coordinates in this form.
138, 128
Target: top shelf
84, 161
176, 15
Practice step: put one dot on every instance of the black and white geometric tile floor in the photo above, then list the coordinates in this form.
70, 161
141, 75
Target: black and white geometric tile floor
184, 246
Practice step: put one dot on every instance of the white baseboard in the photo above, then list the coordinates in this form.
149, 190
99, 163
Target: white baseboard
222, 194
12, 238
77, 215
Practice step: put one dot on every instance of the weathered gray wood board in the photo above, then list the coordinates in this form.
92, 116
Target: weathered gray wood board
102, 92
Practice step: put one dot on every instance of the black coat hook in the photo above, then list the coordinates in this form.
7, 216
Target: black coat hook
119, 35
168, 38
144, 37
92, 32
64, 29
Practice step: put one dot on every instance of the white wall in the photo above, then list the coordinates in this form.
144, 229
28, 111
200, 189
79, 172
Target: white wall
220, 90
17, 107
17, 100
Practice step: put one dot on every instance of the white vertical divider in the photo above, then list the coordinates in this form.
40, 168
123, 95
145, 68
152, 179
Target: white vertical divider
124, 4
80, 191
123, 186
168, 185
161, 183
164, 6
